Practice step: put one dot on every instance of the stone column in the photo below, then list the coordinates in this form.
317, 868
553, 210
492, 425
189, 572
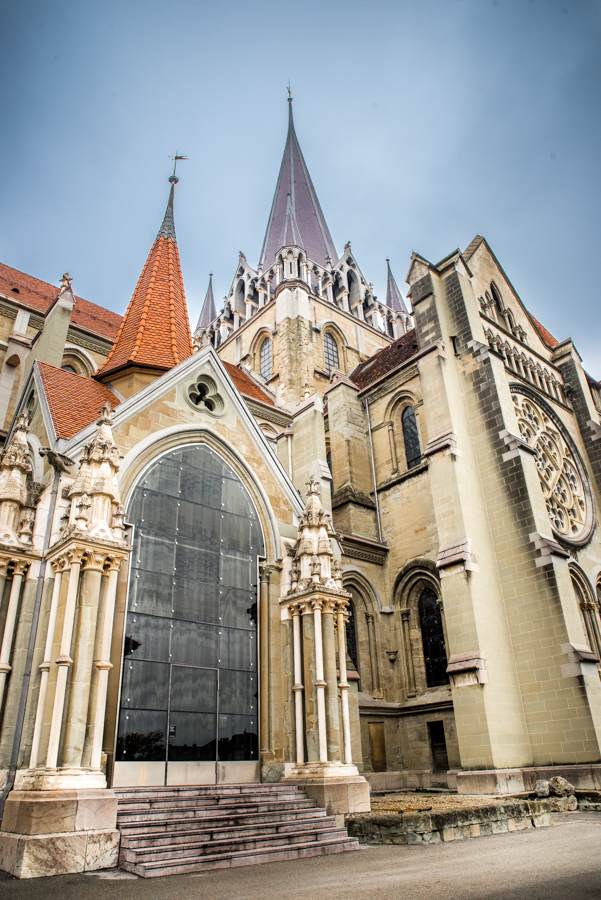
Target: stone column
311, 727
344, 686
264, 657
298, 686
392, 442
102, 662
320, 684
57, 567
405, 615
64, 660
329, 664
83, 653
373, 654
19, 569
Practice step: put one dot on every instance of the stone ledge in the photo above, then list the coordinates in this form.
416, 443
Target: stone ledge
449, 825
38, 855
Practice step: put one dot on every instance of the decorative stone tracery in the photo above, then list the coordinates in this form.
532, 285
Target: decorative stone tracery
558, 470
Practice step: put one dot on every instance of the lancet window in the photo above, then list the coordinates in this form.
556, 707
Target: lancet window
411, 437
433, 642
265, 359
330, 351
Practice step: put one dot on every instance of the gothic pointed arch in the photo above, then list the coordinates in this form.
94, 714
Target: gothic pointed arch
363, 628
418, 602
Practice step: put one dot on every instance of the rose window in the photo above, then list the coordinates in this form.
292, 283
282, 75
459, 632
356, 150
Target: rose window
557, 469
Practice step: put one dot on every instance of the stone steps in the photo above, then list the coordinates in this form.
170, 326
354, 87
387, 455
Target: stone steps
172, 830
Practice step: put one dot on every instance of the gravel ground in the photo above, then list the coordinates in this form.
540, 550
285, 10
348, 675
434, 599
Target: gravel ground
410, 802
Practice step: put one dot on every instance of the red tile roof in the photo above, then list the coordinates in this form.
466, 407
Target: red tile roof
61, 388
155, 332
246, 385
544, 334
385, 360
40, 295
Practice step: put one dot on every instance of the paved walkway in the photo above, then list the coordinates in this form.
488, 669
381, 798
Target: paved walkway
543, 864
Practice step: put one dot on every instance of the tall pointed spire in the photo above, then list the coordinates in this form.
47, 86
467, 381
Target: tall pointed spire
296, 216
394, 298
155, 332
208, 312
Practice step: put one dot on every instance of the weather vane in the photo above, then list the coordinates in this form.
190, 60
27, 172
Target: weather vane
289, 93
176, 159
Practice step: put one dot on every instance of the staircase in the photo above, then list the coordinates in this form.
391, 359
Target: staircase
175, 830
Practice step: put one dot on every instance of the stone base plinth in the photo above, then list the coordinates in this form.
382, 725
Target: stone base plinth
36, 855
409, 779
521, 780
338, 794
63, 779
58, 832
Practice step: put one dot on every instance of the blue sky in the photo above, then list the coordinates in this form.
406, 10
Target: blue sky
422, 123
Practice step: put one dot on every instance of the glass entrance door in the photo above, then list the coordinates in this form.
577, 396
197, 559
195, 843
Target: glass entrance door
189, 696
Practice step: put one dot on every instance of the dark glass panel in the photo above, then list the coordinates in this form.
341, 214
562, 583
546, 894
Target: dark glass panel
238, 570
197, 562
202, 487
164, 476
145, 685
435, 654
194, 644
197, 601
150, 593
155, 554
238, 738
235, 499
237, 649
235, 532
192, 736
238, 608
201, 523
351, 636
147, 637
159, 513
193, 690
237, 692
202, 457
141, 735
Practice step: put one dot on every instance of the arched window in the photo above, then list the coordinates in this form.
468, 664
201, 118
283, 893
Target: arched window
498, 302
265, 363
590, 612
330, 351
351, 636
435, 653
68, 369
411, 438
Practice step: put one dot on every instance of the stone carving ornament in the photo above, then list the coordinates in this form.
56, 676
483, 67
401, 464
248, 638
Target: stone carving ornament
561, 474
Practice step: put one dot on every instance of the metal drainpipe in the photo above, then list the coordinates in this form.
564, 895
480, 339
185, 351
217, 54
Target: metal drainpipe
59, 463
373, 469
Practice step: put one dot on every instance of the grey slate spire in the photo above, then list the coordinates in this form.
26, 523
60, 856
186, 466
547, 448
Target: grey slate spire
394, 298
167, 229
296, 216
208, 312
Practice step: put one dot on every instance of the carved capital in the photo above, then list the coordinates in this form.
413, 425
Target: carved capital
20, 566
75, 556
94, 561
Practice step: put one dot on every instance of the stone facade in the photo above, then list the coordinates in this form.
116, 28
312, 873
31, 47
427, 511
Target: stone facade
425, 599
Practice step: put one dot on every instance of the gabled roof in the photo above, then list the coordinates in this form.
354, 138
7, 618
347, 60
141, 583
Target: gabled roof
155, 332
547, 337
394, 298
296, 217
385, 360
208, 312
73, 401
39, 295
247, 385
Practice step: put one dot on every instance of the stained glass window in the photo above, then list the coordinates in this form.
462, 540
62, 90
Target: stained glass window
435, 653
330, 349
265, 359
411, 437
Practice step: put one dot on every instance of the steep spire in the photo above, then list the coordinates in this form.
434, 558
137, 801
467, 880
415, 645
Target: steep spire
296, 216
394, 298
208, 312
155, 332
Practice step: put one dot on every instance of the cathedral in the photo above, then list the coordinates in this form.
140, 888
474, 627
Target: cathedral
324, 542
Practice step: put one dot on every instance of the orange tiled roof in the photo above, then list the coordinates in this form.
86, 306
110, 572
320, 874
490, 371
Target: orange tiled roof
385, 360
60, 389
155, 332
246, 385
40, 295
544, 334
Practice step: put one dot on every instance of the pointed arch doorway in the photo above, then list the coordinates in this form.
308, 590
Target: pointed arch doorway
190, 682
